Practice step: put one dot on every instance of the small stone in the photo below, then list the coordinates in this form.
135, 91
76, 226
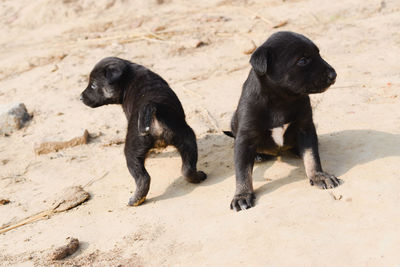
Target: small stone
159, 28
160, 2
249, 48
67, 250
215, 19
55, 68
70, 198
195, 43
246, 46
200, 44
4, 201
13, 117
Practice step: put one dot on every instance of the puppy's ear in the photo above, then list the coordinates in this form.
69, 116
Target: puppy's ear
114, 72
259, 60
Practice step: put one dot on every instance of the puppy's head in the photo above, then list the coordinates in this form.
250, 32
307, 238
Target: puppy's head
293, 64
106, 83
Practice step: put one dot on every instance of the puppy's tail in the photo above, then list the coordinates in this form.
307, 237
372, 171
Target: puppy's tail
229, 133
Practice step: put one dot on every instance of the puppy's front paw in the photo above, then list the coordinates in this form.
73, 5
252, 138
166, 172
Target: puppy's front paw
243, 201
197, 177
324, 180
135, 201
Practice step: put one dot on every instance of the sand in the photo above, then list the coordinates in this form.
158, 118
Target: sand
47, 49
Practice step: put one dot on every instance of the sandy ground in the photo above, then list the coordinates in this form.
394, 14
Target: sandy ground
47, 49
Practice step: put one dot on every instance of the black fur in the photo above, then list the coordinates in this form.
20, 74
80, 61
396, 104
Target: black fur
285, 70
155, 117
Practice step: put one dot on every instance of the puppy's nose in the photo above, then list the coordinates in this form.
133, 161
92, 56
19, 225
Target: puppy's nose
81, 97
332, 76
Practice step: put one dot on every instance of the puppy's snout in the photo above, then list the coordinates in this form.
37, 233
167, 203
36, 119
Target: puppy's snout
332, 76
81, 97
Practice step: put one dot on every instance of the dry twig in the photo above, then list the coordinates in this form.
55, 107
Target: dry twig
70, 198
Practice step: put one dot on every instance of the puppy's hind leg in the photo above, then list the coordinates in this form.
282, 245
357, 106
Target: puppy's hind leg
185, 142
136, 149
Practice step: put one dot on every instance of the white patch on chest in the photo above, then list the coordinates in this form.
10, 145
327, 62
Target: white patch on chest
278, 132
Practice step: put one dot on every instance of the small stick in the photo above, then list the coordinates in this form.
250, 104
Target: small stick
155, 35
257, 15
156, 40
95, 180
238, 68
281, 24
33, 218
60, 206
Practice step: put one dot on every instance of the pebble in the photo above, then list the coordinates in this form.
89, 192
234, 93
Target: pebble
13, 117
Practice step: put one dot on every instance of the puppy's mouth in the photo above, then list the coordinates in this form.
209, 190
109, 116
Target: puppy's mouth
320, 88
316, 91
88, 102
93, 105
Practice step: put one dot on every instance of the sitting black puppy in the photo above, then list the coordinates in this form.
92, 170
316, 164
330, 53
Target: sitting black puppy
155, 117
274, 112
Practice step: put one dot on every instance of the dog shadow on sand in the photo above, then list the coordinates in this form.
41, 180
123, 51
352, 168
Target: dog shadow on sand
215, 159
339, 152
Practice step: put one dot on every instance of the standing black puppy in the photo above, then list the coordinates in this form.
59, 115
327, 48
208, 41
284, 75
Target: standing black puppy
155, 117
274, 112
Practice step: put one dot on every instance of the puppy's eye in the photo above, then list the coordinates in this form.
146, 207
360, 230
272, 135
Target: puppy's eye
303, 61
93, 86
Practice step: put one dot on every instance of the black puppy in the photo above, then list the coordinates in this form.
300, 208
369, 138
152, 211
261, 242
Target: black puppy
274, 112
155, 117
